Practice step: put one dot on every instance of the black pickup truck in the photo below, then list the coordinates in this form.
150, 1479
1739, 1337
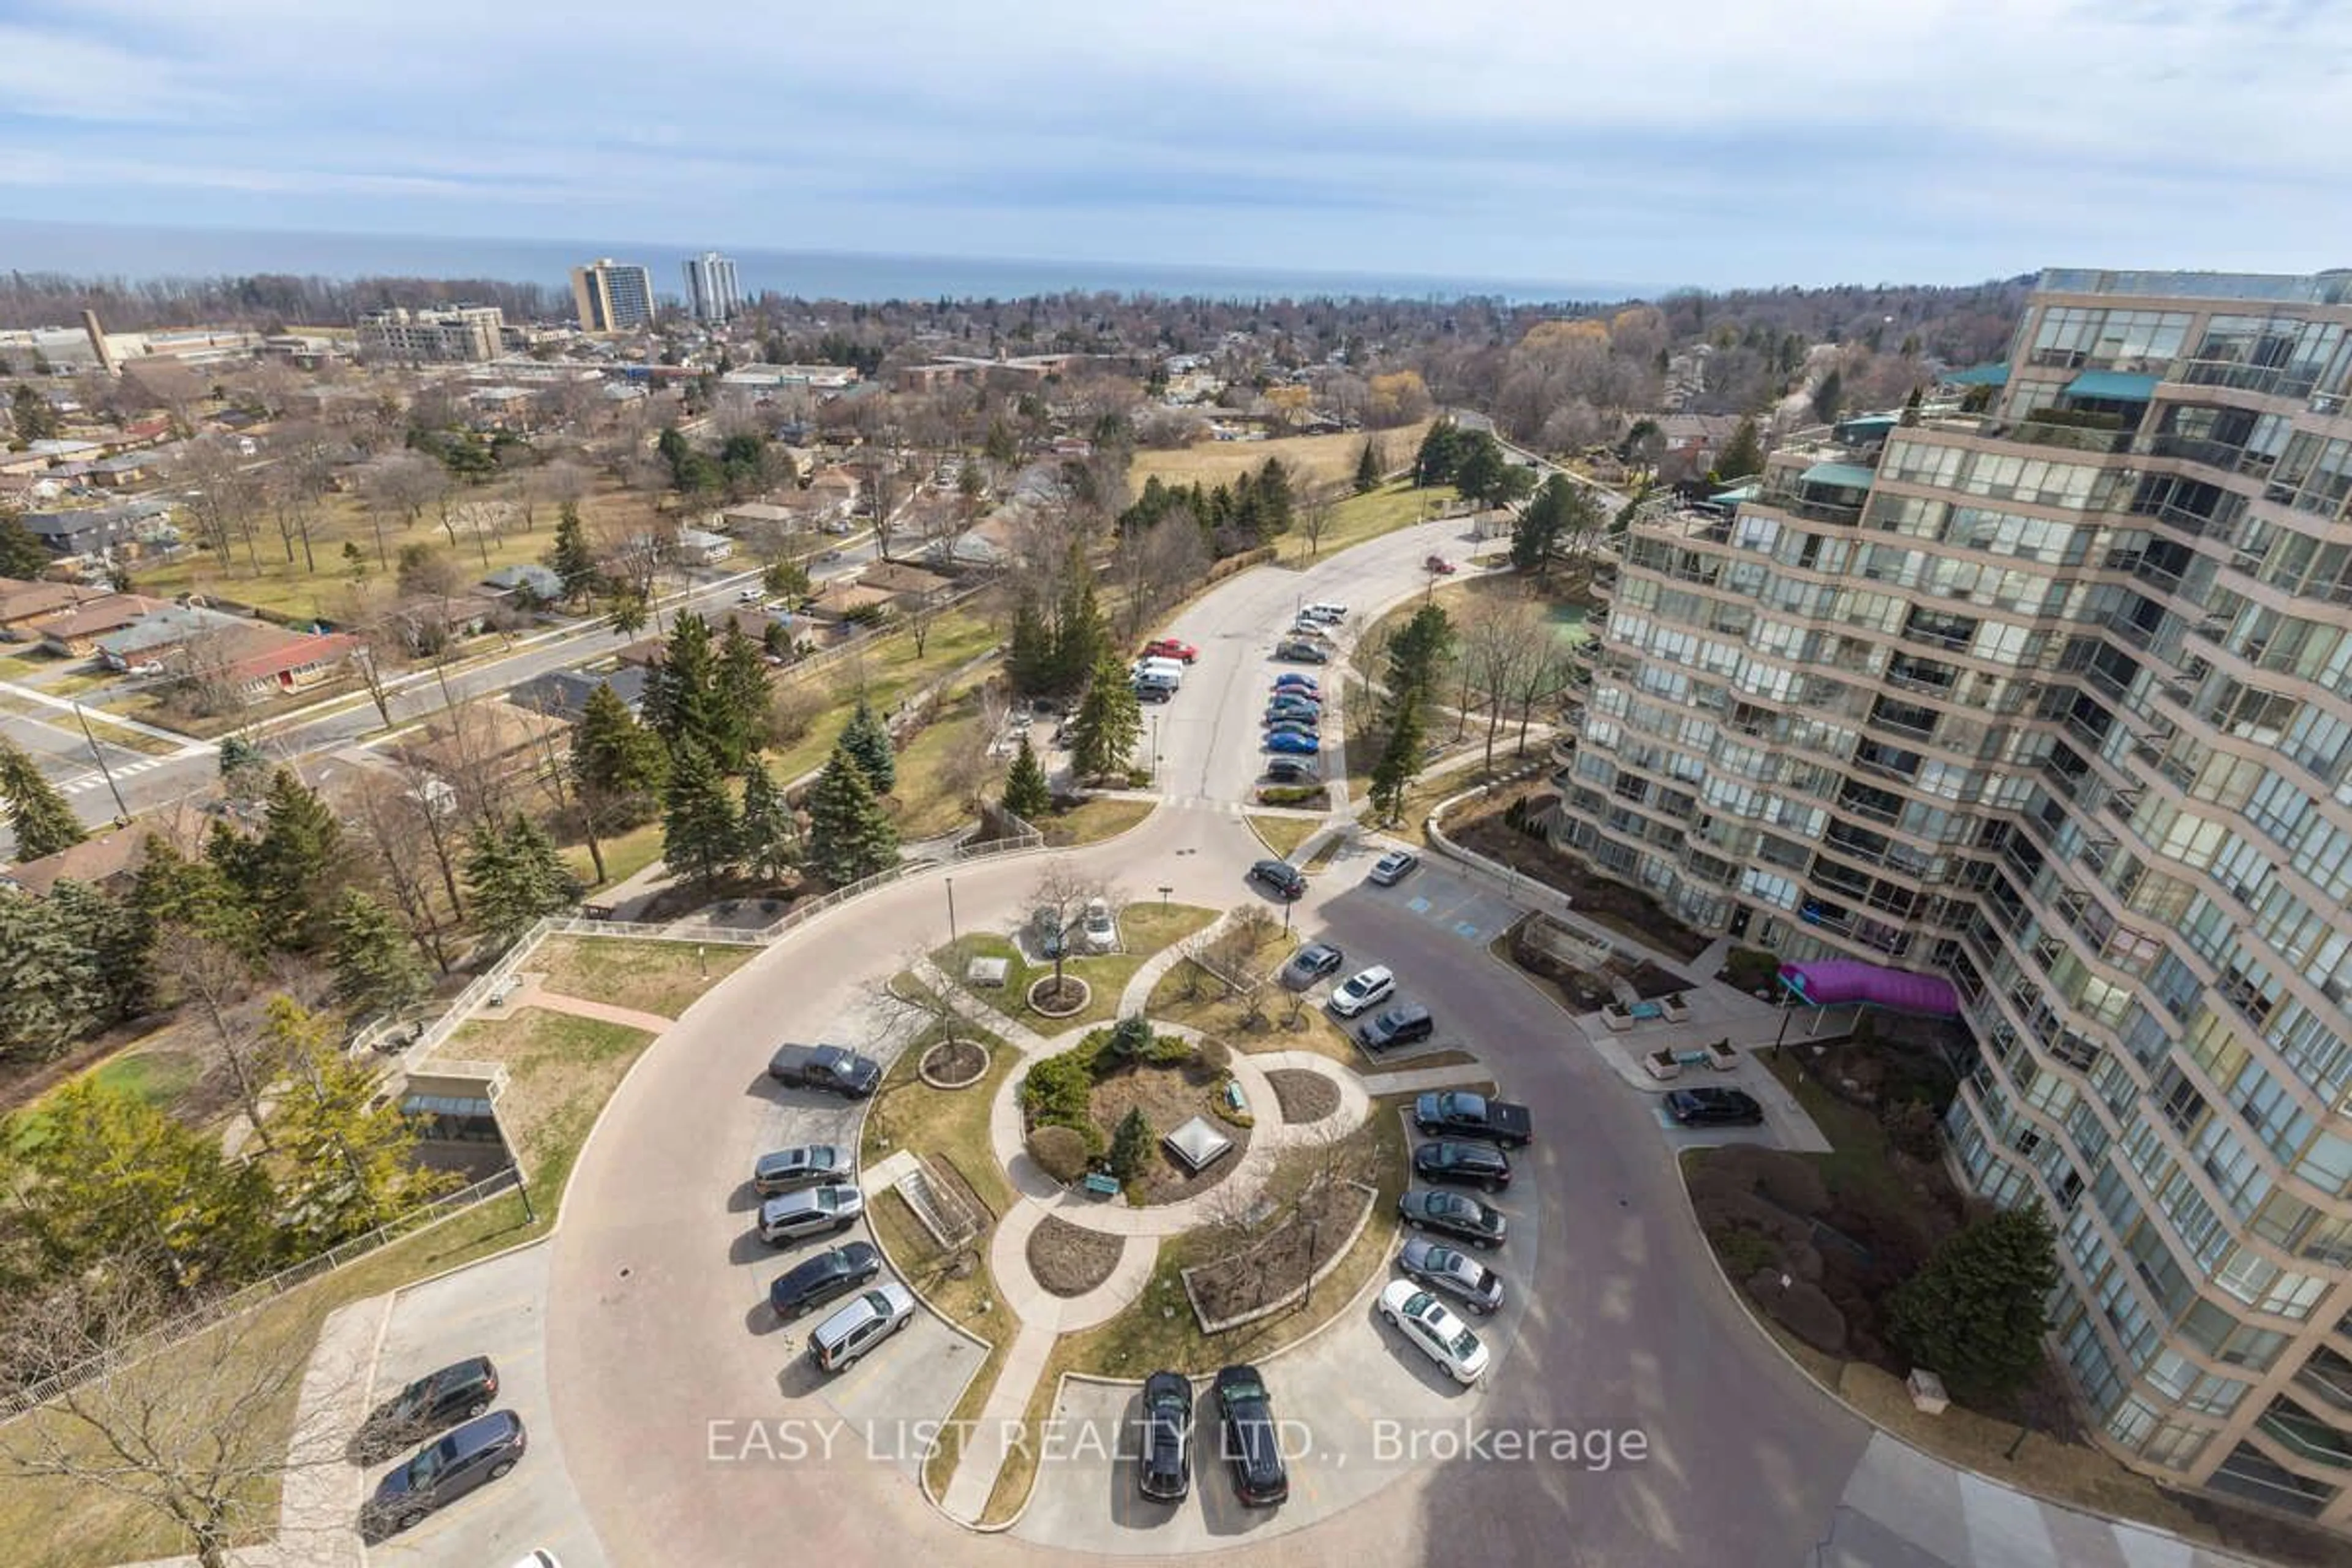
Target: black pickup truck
1458, 1114
836, 1069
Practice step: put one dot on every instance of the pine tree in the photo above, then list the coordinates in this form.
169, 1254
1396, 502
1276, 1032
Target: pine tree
740, 695
1026, 793
38, 817
681, 702
570, 558
1742, 457
1081, 636
1416, 655
346, 1167
1109, 722
1439, 451
1274, 502
52, 991
769, 832
1130, 1144
868, 741
513, 877
21, 554
849, 838
1400, 760
34, 419
617, 758
1535, 533
377, 967
116, 940
699, 835
292, 872
1029, 652
1829, 396
1368, 468
1975, 1313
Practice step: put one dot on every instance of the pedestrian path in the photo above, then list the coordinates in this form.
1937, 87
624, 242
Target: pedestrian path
989, 1443
1008, 1262
532, 993
1005, 1027
1421, 1080
887, 1172
1137, 996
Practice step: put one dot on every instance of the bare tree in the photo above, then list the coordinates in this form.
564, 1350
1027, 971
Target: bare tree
196, 1436
217, 982
224, 497
1498, 645
1315, 521
398, 832
971, 766
562, 483
1061, 894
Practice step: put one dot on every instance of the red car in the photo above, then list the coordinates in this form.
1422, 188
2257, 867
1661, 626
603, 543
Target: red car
1168, 647
1439, 564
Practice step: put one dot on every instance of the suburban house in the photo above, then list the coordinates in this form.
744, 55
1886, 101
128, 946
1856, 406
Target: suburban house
108, 862
149, 643
263, 659
563, 693
910, 587
25, 607
703, 547
830, 499
987, 543
843, 600
488, 741
763, 520
92, 530
530, 581
75, 634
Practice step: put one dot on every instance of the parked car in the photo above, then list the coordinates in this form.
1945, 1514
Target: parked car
1294, 703
1292, 741
813, 1281
437, 1475
458, 1392
1253, 1444
1406, 1024
842, 1340
1426, 1208
1046, 933
1392, 868
1438, 565
1300, 681
836, 1069
1311, 964
1287, 881
1152, 688
1308, 728
1446, 1339
1715, 1108
1302, 717
1473, 1164
1325, 610
1365, 988
788, 1170
1170, 647
812, 1211
1453, 1271
1291, 770
1096, 929
1302, 651
1467, 1115
1164, 1469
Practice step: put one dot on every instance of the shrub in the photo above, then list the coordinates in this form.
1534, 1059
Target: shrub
1913, 1129
1056, 1090
1130, 1146
1129, 1038
1059, 1152
1749, 968
1292, 794
1801, 1308
1977, 1313
1217, 1056
1168, 1050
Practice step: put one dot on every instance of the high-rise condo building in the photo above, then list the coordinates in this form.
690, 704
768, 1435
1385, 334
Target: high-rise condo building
710, 291
611, 296
2054, 700
460, 332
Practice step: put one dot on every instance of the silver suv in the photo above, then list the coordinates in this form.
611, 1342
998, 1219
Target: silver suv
812, 1211
844, 1338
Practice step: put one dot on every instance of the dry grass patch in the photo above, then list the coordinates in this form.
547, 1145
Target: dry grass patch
1092, 821
1282, 834
664, 978
562, 1069
1313, 460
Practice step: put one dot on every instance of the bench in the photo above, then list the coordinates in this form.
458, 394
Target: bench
504, 989
1233, 1096
1100, 1184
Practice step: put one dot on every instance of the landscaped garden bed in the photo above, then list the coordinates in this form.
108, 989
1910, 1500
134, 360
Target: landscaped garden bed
954, 1064
1491, 831
1106, 1106
1316, 1233
1069, 1259
1304, 1097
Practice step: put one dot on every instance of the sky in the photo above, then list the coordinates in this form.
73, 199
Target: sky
1708, 143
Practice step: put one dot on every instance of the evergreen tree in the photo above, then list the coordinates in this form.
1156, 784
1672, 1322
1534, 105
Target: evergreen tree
1742, 457
346, 1167
110, 932
1029, 652
1109, 723
52, 989
513, 877
1416, 655
1911, 406
849, 838
1368, 468
377, 967
1439, 451
293, 871
786, 580
1081, 636
30, 410
1400, 759
1026, 793
1975, 1313
617, 758
1274, 502
1829, 396
681, 702
38, 817
173, 890
868, 741
570, 558
1481, 472
629, 613
699, 834
21, 554
769, 832
1130, 1144
740, 692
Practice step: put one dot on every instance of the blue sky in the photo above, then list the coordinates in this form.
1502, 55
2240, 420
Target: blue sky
1698, 141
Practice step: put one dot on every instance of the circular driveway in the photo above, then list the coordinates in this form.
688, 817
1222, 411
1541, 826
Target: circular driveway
658, 1372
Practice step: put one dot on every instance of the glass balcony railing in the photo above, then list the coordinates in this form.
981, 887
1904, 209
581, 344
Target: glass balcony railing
2305, 1436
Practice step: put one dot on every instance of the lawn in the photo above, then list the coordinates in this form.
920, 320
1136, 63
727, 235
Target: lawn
664, 978
1144, 930
562, 1069
1288, 1023
1856, 1162
626, 855
927, 806
159, 1078
886, 670
907, 1113
1313, 460
1092, 821
1281, 834
1397, 504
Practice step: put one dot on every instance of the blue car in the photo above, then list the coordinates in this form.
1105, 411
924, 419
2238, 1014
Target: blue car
1293, 714
1296, 680
1292, 727
1292, 740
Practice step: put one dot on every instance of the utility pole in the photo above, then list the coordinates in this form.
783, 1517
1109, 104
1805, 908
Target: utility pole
952, 925
122, 812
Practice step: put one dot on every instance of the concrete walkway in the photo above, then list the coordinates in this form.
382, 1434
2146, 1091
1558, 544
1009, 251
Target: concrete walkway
1421, 1080
1008, 1260
1137, 996
531, 994
986, 1446
1004, 1025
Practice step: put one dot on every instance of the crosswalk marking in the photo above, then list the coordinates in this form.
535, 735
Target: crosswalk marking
97, 781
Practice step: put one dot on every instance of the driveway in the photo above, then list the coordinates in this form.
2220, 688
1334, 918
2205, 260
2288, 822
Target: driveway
495, 1309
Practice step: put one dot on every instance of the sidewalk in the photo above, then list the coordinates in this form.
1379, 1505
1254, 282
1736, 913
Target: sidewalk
986, 1445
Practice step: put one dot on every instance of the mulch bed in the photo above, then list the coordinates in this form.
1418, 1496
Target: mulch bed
1303, 1096
1262, 1269
1603, 900
1069, 1259
1169, 1096
954, 1064
1650, 982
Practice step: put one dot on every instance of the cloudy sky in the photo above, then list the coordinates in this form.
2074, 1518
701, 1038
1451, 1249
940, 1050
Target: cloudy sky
1704, 142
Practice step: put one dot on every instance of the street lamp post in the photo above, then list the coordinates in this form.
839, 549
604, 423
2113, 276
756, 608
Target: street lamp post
1155, 751
952, 926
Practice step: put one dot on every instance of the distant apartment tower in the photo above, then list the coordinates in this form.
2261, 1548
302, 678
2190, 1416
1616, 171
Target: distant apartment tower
710, 291
611, 296
461, 334
2056, 701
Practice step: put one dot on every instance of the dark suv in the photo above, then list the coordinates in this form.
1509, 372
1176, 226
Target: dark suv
836, 1271
1253, 1443
1406, 1024
1475, 1164
1164, 1469
481, 1450
1289, 882
437, 1400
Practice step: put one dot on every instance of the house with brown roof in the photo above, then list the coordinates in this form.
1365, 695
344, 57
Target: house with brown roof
910, 587
494, 740
26, 606
108, 862
843, 600
75, 634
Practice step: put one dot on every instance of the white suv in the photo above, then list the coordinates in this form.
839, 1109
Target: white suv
1365, 988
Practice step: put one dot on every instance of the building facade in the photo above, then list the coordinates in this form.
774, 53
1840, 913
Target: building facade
710, 291
611, 296
467, 334
2055, 700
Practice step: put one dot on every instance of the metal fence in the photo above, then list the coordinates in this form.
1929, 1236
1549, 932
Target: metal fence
16, 1402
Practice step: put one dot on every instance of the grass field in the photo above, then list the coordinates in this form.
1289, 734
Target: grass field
889, 670
1281, 834
159, 1078
1144, 930
1313, 460
1394, 505
664, 978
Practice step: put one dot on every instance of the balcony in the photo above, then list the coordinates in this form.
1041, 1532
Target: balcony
2328, 1375
2305, 1436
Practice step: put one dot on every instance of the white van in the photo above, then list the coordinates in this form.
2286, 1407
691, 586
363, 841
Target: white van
1325, 611
1173, 668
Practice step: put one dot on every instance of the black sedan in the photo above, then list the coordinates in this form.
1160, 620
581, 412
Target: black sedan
1473, 1164
1164, 1463
812, 1283
1713, 1108
1474, 1222
1310, 964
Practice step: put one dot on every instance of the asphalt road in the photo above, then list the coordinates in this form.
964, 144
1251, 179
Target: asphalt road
1626, 1329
